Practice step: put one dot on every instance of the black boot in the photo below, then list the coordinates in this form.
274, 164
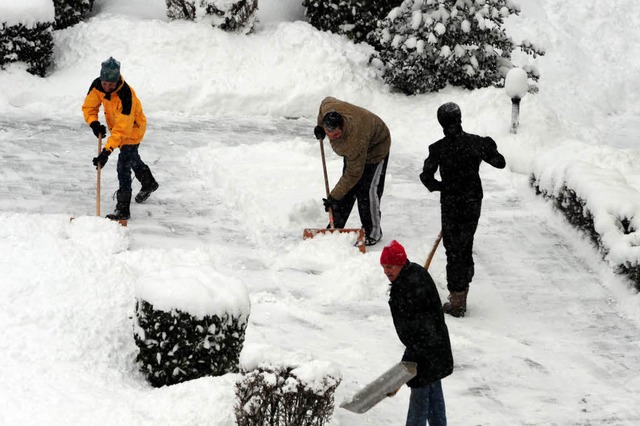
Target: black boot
122, 206
148, 183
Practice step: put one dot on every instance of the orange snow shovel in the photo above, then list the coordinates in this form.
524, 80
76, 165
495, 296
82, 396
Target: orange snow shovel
433, 251
311, 232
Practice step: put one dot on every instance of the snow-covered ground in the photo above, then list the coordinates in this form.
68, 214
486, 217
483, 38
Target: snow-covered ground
551, 335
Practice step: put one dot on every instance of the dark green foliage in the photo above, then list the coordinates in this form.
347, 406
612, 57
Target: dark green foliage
274, 396
240, 16
427, 44
176, 347
70, 12
34, 46
354, 18
577, 214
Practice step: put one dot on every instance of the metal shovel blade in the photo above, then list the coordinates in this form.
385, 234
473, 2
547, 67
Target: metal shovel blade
312, 232
380, 388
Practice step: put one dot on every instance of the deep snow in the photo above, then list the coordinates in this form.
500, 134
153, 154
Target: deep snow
551, 336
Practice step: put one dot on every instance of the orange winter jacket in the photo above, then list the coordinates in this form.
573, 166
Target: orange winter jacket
123, 111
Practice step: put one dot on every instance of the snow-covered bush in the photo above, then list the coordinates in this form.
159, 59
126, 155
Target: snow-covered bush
70, 12
282, 396
26, 34
427, 44
354, 18
584, 195
228, 15
32, 45
190, 323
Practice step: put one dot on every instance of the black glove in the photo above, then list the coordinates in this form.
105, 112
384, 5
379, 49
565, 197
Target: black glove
319, 132
330, 202
101, 158
98, 129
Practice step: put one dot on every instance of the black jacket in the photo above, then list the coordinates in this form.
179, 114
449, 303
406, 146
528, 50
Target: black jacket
459, 158
419, 321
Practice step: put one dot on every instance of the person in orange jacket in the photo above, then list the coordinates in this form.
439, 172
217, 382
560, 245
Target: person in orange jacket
127, 125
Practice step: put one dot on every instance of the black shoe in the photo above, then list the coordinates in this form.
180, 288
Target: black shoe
118, 215
368, 241
146, 192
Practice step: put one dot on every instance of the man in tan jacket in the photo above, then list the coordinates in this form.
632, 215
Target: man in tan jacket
363, 140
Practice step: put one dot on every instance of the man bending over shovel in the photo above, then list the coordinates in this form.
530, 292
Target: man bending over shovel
127, 124
419, 322
363, 140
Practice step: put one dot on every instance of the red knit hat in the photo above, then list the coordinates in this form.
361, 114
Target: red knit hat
393, 254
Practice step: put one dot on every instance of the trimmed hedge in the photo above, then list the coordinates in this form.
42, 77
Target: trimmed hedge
276, 396
575, 210
70, 12
176, 347
34, 46
239, 16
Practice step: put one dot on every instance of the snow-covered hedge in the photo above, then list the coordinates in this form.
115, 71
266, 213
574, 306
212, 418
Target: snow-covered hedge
26, 34
285, 396
599, 202
354, 18
190, 323
70, 12
33, 46
228, 15
427, 44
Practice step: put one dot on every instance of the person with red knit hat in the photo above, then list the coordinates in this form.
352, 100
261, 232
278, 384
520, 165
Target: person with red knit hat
419, 321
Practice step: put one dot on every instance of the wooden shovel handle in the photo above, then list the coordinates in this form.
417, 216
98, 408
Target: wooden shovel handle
98, 184
433, 251
326, 181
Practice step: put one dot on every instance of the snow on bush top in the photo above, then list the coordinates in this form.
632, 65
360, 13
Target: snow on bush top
200, 291
26, 12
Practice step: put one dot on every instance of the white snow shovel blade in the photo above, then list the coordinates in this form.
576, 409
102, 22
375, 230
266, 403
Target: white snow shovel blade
379, 389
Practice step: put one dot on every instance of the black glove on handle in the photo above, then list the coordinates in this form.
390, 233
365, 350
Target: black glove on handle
329, 202
98, 129
101, 158
319, 132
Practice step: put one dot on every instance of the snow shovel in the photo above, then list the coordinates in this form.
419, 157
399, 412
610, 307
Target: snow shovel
433, 251
311, 232
385, 385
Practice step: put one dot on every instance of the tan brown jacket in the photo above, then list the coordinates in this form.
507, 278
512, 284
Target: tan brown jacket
365, 140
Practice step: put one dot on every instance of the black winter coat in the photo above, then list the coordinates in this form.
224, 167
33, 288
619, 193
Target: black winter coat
419, 321
459, 157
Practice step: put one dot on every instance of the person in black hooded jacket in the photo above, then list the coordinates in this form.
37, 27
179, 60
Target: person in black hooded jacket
419, 322
458, 156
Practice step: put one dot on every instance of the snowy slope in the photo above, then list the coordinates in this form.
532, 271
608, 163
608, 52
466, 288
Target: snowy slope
551, 336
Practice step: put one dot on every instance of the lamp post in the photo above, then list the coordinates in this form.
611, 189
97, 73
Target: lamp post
516, 85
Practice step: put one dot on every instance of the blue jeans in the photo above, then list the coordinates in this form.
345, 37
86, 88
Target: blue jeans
427, 403
128, 160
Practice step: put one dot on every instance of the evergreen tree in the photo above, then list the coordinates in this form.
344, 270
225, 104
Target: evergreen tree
356, 19
426, 44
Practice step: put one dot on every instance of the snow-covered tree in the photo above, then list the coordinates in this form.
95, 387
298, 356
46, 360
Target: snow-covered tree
426, 44
354, 18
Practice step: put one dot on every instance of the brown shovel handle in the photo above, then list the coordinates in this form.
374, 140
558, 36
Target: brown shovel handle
98, 184
433, 251
326, 181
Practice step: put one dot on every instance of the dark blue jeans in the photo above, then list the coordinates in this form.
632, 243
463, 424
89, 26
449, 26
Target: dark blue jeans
427, 403
128, 160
